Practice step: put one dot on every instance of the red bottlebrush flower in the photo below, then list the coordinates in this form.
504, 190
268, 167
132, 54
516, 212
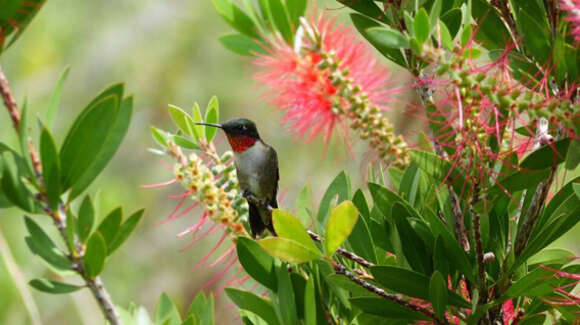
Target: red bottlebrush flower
298, 82
573, 9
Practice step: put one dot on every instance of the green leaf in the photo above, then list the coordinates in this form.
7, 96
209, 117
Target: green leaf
184, 142
86, 219
452, 20
521, 180
368, 9
183, 121
411, 283
256, 262
203, 309
14, 18
12, 186
55, 99
109, 227
492, 33
160, 136
95, 254
212, 116
549, 155
289, 226
241, 44
309, 303
435, 11
286, 299
296, 9
71, 227
40, 244
279, 16
445, 36
386, 37
235, 17
53, 287
573, 156
113, 141
386, 308
421, 26
438, 294
466, 34
124, 231
440, 170
197, 117
340, 187
536, 39
414, 248
50, 167
289, 250
360, 239
363, 23
251, 302
166, 313
88, 138
340, 224
552, 256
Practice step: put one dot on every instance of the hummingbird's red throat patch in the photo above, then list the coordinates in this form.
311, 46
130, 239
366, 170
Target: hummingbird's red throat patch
240, 143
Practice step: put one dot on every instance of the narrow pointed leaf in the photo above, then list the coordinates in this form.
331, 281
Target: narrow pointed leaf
166, 312
183, 121
95, 254
54, 102
235, 17
50, 167
41, 244
109, 227
53, 287
438, 294
421, 26
256, 262
241, 44
124, 231
257, 305
212, 116
112, 143
86, 220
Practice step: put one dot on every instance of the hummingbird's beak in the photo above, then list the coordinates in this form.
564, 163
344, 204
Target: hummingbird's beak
211, 124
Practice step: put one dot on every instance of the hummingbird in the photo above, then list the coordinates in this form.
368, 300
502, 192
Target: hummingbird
257, 169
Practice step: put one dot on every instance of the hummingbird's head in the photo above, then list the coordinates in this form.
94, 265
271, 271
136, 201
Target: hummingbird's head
242, 133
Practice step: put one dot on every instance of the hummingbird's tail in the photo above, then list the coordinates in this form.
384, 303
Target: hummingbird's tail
257, 217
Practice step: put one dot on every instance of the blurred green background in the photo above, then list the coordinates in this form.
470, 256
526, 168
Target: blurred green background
166, 52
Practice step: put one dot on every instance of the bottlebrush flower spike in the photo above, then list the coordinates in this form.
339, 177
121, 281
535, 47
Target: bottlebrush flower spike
330, 78
573, 9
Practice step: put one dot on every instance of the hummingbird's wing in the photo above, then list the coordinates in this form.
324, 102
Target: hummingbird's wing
275, 176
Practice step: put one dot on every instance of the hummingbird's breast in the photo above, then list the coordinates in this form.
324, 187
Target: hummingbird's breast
253, 170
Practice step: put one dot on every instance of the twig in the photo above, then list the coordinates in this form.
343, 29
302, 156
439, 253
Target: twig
59, 215
341, 269
502, 7
533, 213
9, 101
343, 252
479, 253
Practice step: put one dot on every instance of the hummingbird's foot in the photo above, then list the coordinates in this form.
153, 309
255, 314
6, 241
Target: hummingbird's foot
250, 197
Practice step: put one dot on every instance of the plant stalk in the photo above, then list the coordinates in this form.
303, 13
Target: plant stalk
59, 215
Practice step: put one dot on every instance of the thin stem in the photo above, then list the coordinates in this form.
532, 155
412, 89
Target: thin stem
19, 282
59, 215
341, 269
9, 101
343, 252
533, 213
479, 253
